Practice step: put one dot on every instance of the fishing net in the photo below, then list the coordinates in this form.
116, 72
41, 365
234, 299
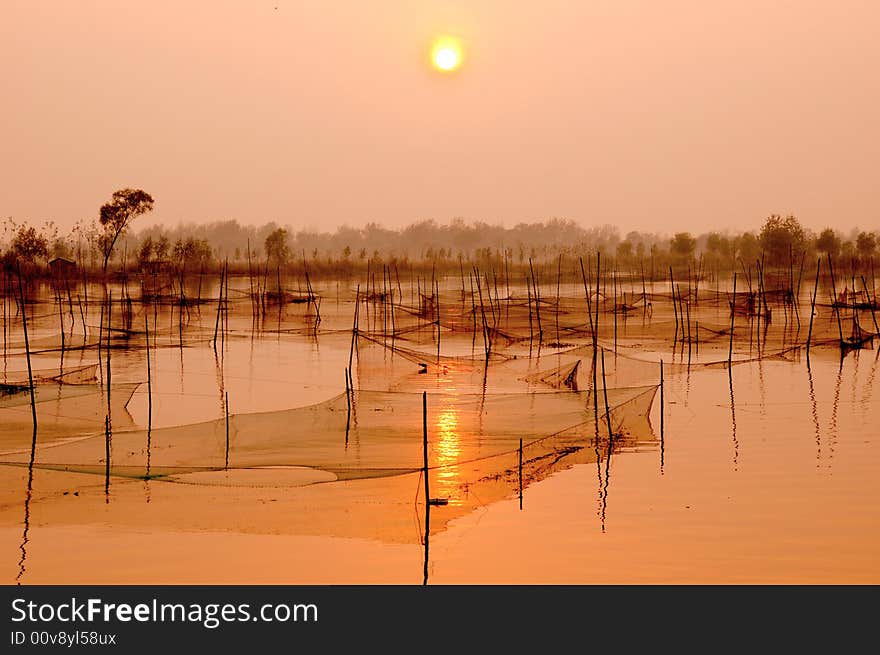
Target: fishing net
558, 377
473, 451
500, 364
20, 380
63, 411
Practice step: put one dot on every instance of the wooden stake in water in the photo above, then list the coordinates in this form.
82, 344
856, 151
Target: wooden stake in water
596, 316
61, 323
27, 350
537, 303
425, 444
813, 307
797, 290
219, 304
254, 307
427, 487
761, 290
688, 318
529, 294
558, 282
108, 420
5, 312
474, 311
607, 407
834, 302
871, 304
354, 325
82, 317
732, 317
226, 304
101, 337
437, 305
614, 304
486, 336
586, 295
661, 400
149, 397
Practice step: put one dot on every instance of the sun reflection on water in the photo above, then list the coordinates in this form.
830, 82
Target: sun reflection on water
447, 449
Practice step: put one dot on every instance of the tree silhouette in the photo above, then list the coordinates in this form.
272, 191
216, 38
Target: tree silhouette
828, 243
115, 216
866, 244
276, 246
780, 237
29, 245
682, 245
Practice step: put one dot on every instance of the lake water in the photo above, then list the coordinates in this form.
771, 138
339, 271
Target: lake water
764, 472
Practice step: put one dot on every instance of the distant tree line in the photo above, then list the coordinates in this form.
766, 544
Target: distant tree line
111, 241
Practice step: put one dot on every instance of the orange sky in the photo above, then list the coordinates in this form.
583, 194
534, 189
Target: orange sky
659, 116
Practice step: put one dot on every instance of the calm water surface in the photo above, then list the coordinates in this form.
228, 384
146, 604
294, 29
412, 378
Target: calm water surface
765, 473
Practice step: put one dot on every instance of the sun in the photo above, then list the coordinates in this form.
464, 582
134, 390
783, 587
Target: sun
446, 54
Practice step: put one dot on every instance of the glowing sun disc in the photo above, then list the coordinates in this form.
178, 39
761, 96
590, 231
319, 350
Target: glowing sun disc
446, 54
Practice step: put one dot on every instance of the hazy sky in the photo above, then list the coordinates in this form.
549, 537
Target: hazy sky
660, 116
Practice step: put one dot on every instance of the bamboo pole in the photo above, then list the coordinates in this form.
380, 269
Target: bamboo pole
596, 341
61, 323
813, 307
607, 407
587, 296
108, 421
529, 295
27, 351
219, 304
427, 486
834, 302
425, 445
871, 305
5, 314
537, 303
661, 399
437, 310
354, 325
149, 397
558, 281
688, 317
732, 319
474, 309
614, 304
226, 303
486, 337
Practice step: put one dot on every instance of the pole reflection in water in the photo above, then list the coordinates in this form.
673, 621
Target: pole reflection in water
733, 418
610, 444
869, 386
27, 511
832, 428
814, 409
